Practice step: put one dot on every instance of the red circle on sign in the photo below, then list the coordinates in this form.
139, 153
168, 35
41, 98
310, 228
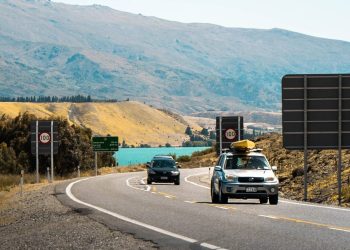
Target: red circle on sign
230, 134
44, 138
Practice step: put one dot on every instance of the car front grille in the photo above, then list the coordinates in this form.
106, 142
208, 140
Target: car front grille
250, 179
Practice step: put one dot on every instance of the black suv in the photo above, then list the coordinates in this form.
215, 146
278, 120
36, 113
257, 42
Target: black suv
163, 169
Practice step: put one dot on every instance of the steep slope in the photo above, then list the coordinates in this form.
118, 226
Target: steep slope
50, 48
133, 122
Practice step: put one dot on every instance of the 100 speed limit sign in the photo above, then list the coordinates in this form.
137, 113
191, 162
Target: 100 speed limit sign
44, 138
230, 134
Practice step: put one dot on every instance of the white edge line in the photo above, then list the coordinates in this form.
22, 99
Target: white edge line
121, 217
339, 229
268, 216
318, 206
210, 246
129, 185
283, 201
193, 183
226, 208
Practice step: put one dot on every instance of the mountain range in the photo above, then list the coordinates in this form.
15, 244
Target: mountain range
49, 48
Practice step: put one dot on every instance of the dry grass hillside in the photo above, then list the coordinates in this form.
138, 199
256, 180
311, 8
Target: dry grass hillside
133, 122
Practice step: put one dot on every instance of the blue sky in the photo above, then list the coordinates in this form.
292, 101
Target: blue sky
323, 18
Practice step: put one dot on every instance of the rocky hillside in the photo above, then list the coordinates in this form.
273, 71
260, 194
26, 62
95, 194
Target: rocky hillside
56, 49
134, 122
322, 171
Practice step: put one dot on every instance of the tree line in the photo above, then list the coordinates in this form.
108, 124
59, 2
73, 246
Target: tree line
45, 99
75, 147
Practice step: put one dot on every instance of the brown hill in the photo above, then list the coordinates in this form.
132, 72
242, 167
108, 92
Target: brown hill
133, 122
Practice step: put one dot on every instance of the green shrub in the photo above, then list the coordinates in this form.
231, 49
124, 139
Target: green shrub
184, 158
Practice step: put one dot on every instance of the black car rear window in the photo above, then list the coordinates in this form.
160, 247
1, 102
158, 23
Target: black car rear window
163, 164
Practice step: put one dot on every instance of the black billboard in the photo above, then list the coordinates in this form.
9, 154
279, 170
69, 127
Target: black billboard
317, 106
231, 130
44, 137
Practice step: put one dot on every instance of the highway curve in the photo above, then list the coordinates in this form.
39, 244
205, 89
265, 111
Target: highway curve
183, 216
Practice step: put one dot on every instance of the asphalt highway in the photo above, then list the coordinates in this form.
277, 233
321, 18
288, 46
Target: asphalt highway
183, 217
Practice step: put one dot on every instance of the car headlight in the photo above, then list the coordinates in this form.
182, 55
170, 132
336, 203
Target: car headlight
231, 177
175, 172
270, 179
150, 171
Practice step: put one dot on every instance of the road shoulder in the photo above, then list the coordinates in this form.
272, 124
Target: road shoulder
38, 220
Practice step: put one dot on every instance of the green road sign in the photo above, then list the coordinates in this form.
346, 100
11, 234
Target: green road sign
105, 143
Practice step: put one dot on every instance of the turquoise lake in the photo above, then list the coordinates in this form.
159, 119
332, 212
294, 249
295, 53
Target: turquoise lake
130, 156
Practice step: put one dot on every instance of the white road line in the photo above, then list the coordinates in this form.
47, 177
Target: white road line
282, 201
129, 185
193, 183
339, 229
312, 205
192, 202
209, 246
222, 207
121, 217
268, 216
138, 223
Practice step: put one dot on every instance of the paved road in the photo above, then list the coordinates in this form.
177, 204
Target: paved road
183, 216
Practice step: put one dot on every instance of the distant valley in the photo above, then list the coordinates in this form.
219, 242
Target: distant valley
49, 48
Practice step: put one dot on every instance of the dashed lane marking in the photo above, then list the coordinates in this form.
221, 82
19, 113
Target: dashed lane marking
344, 229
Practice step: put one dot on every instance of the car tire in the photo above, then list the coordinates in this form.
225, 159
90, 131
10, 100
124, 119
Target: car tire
273, 199
177, 182
214, 196
223, 198
149, 181
263, 200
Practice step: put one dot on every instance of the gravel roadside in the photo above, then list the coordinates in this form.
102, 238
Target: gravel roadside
39, 221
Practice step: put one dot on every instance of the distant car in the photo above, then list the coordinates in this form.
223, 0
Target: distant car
244, 174
163, 168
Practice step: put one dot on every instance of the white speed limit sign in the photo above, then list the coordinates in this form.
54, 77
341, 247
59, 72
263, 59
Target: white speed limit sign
44, 138
230, 134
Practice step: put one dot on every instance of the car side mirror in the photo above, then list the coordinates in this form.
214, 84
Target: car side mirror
148, 164
217, 168
274, 168
178, 166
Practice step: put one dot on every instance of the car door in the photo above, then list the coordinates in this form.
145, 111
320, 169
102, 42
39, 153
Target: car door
217, 175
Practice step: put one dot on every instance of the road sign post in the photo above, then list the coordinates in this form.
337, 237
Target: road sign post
316, 115
44, 141
104, 144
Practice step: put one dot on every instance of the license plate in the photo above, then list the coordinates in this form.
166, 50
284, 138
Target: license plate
163, 178
251, 190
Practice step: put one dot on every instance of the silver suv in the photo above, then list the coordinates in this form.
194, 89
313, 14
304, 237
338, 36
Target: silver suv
244, 175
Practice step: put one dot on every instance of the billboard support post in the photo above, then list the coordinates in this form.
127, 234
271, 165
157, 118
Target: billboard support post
305, 138
51, 179
37, 150
220, 124
339, 139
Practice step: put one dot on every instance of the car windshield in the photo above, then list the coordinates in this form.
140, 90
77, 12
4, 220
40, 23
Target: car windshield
247, 162
163, 164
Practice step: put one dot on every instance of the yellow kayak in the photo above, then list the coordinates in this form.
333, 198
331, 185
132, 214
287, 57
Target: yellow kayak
243, 145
